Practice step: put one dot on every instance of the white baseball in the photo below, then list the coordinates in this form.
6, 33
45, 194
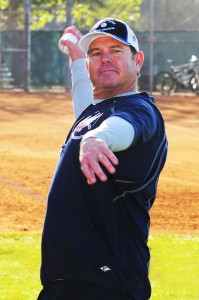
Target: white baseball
70, 37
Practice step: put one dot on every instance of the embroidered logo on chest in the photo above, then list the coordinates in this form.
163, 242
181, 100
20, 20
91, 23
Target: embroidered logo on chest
84, 126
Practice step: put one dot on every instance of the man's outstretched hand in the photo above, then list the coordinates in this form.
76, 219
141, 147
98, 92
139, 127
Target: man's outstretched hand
93, 152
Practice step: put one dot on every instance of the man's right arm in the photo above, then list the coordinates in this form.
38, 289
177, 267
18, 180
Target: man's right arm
82, 89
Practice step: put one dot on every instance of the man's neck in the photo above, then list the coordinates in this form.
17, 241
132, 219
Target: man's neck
98, 100
99, 93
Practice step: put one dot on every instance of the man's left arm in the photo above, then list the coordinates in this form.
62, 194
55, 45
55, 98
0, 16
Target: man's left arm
98, 147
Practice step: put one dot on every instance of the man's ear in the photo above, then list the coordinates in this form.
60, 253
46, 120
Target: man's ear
139, 60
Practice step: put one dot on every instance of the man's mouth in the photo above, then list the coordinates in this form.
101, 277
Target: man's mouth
107, 71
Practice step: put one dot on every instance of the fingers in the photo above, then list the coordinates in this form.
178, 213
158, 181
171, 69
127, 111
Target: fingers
108, 159
92, 157
68, 43
73, 30
93, 170
70, 36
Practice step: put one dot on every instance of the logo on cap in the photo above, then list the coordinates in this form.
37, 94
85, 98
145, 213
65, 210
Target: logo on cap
103, 24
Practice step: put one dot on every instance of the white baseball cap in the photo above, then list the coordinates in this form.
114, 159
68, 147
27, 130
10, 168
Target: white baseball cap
109, 27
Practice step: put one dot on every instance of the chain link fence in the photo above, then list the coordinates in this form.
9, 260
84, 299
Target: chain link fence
13, 50
48, 66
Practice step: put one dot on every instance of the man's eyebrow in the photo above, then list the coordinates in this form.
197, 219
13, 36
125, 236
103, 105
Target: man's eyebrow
112, 47
93, 49
117, 46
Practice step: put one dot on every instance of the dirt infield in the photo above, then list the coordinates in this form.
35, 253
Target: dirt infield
33, 128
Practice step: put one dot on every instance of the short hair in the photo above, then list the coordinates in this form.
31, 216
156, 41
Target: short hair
133, 51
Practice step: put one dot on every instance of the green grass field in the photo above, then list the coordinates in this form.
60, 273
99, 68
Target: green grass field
174, 270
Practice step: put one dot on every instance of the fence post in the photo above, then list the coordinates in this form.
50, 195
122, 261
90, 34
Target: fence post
0, 47
69, 5
151, 41
28, 45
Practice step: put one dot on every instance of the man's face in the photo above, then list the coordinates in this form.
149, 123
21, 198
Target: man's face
111, 64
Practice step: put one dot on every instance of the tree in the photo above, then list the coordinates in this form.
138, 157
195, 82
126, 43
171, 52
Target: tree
170, 15
51, 14
12, 14
87, 14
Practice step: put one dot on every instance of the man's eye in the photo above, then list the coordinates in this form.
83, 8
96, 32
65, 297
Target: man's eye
96, 53
117, 51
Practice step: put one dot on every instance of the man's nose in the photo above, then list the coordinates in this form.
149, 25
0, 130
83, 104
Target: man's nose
106, 57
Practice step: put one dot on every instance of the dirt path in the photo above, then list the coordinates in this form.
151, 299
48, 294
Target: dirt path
33, 128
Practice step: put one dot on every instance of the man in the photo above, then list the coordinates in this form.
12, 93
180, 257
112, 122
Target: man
94, 244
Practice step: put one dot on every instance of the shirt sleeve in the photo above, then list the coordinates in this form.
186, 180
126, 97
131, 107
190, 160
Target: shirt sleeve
142, 116
115, 131
82, 90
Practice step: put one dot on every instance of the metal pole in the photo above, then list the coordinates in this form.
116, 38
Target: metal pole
69, 5
28, 44
151, 44
0, 47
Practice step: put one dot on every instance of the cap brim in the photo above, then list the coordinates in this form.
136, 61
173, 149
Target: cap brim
87, 39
